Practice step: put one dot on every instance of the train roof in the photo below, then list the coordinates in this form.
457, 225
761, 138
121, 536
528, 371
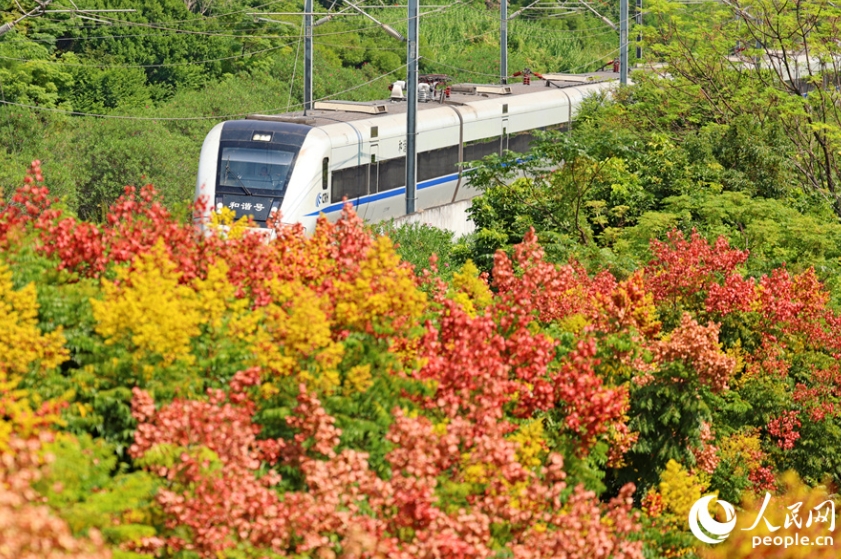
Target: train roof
331, 112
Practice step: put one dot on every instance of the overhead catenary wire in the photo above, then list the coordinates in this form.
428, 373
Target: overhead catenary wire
166, 26
242, 55
232, 57
574, 33
160, 65
193, 118
294, 68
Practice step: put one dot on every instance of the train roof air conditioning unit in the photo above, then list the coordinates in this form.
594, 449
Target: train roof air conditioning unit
351, 107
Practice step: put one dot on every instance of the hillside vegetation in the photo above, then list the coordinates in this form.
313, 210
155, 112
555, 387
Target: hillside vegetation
197, 64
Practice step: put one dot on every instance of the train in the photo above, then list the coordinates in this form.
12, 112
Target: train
305, 165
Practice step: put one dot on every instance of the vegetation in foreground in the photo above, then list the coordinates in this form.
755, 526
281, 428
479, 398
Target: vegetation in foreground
177, 395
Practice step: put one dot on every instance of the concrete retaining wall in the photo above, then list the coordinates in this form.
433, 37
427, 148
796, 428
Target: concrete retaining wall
452, 217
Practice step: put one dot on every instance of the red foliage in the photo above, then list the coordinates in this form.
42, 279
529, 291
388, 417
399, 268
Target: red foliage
29, 202
785, 429
697, 346
737, 294
706, 457
591, 408
682, 268
468, 387
217, 505
541, 290
762, 479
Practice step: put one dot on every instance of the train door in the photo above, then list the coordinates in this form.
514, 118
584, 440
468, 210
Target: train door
503, 138
373, 181
374, 170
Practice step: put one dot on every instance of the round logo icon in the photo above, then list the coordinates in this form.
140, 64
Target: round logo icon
705, 527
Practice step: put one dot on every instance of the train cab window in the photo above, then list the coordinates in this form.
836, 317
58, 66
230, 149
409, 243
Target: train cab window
325, 167
351, 182
265, 170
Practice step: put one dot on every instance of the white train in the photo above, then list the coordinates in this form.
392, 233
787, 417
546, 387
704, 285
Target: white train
305, 166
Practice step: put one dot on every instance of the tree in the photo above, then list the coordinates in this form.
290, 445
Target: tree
775, 61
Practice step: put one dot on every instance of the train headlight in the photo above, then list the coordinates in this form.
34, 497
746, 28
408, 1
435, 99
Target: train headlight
259, 137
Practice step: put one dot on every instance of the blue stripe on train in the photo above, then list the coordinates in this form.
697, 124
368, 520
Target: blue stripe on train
382, 195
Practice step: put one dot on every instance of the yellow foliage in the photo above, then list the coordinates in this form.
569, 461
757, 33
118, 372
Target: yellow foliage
17, 415
531, 443
738, 354
296, 328
217, 296
574, 323
679, 489
147, 308
358, 379
224, 220
475, 473
473, 293
22, 344
742, 450
382, 289
440, 429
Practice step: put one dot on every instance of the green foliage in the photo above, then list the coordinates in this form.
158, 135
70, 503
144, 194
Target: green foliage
417, 242
88, 490
667, 415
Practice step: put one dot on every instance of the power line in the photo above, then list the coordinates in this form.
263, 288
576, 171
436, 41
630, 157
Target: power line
193, 118
165, 26
294, 68
161, 65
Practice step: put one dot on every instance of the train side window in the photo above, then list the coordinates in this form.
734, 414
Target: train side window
437, 163
477, 149
392, 174
351, 182
519, 142
325, 166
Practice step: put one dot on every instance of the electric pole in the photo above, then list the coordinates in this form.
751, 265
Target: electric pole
503, 41
307, 56
623, 42
639, 31
412, 109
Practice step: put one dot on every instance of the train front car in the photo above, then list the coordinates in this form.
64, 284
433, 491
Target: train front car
256, 168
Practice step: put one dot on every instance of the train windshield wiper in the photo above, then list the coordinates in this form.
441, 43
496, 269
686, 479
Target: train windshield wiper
227, 173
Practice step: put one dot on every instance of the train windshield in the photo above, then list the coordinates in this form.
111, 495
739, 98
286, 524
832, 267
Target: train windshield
255, 169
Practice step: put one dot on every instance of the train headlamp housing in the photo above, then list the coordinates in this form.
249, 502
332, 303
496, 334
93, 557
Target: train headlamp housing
261, 137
